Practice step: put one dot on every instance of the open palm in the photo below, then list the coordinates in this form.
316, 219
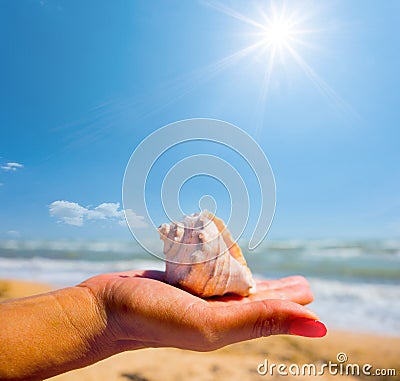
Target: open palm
143, 311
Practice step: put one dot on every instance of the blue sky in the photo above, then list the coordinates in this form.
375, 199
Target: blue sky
83, 82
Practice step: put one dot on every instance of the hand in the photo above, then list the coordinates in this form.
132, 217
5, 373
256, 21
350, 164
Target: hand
48, 334
140, 310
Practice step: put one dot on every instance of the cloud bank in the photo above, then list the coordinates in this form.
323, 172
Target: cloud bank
71, 213
11, 167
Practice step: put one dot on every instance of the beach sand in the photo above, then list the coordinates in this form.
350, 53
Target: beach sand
235, 362
11, 289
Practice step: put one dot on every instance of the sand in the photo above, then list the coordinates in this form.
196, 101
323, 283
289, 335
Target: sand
235, 362
11, 289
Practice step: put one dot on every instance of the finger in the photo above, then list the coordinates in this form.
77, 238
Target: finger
241, 322
297, 294
290, 281
293, 288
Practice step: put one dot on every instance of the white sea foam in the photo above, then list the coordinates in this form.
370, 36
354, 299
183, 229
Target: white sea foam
62, 272
358, 306
95, 246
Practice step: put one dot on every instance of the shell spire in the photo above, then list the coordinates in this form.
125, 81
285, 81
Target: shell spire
203, 258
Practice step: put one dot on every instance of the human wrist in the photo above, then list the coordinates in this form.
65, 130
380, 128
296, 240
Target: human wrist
90, 323
101, 324
83, 324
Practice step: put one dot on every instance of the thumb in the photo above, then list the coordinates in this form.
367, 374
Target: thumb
248, 321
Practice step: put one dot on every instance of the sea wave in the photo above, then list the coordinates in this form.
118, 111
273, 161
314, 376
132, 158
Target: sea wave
391, 246
87, 250
127, 247
372, 307
348, 260
64, 272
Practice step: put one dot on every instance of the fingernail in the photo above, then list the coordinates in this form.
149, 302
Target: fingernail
307, 327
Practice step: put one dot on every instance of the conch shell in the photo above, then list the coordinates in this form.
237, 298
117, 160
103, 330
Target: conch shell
202, 258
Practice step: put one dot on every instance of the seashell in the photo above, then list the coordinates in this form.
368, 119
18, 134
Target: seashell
202, 257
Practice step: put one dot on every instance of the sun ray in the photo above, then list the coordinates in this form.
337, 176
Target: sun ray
264, 89
321, 85
276, 36
280, 30
103, 117
231, 12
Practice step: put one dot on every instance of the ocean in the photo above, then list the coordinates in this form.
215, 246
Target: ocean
356, 284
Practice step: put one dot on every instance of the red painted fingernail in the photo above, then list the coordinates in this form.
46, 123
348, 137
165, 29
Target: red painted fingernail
307, 327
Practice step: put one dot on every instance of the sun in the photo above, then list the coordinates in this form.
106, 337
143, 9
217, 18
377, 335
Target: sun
278, 34
274, 29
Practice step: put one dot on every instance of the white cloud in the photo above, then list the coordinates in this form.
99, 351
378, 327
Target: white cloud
109, 209
72, 213
134, 220
12, 166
